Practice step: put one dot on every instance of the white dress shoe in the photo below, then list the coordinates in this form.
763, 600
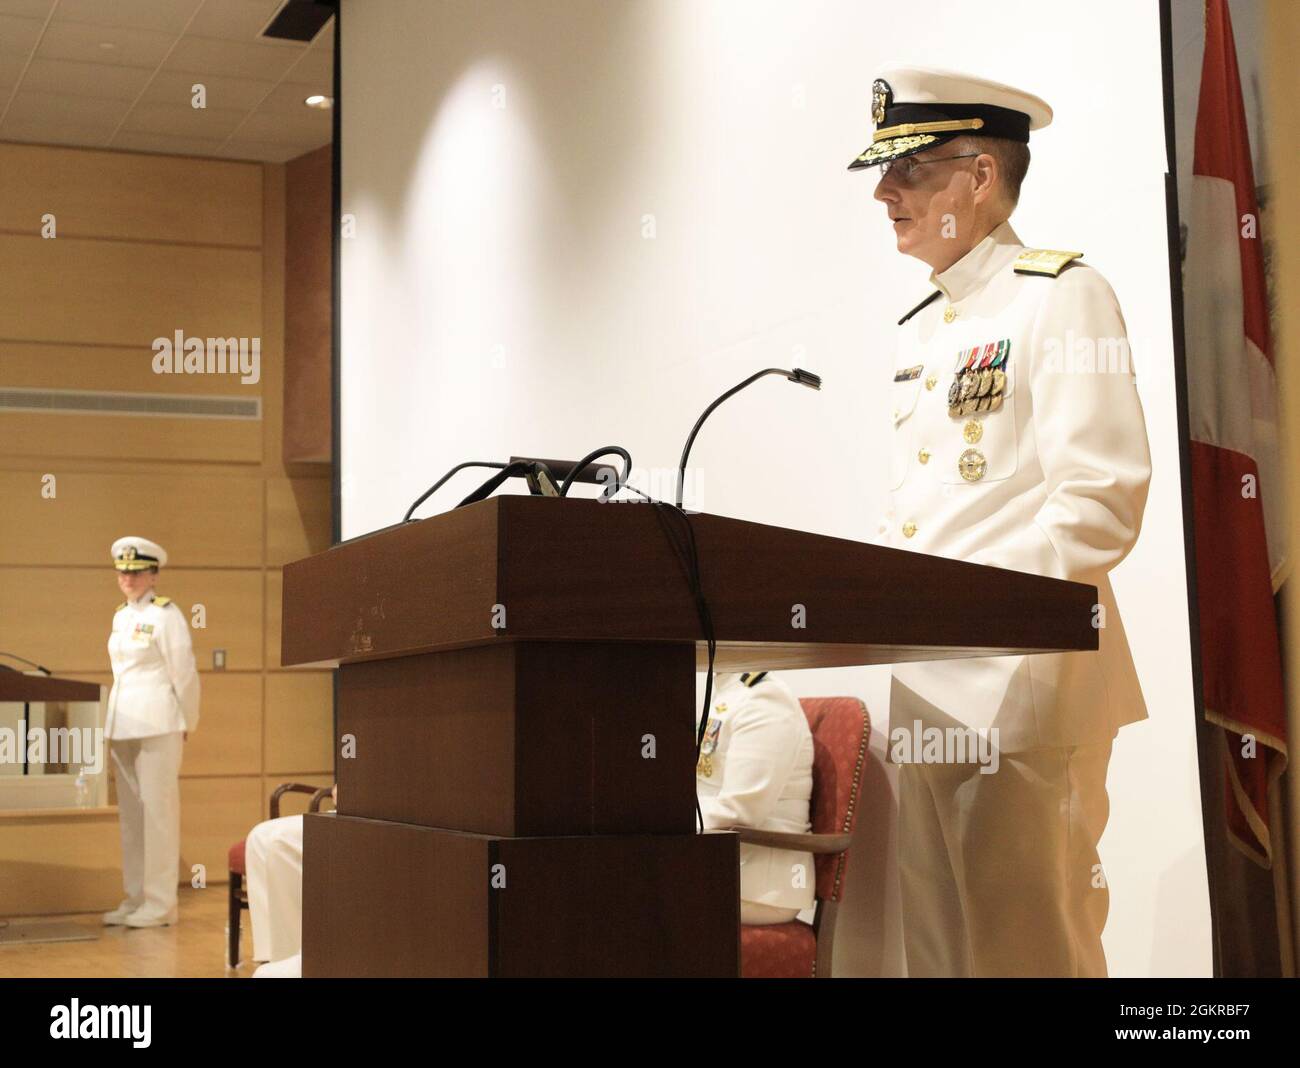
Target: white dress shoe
145, 919
117, 917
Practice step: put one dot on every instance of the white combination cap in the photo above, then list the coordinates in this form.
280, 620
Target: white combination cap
915, 108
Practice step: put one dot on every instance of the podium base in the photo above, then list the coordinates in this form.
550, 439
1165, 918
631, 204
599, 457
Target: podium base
400, 900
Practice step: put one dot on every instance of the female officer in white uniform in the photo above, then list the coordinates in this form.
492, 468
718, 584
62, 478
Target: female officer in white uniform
153, 706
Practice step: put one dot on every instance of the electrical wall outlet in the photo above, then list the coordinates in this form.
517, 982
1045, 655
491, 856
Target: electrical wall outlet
218, 660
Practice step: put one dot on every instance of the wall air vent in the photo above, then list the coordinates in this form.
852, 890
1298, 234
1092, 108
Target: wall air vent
89, 402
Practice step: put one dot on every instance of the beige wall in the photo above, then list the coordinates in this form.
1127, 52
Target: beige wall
1283, 89
147, 245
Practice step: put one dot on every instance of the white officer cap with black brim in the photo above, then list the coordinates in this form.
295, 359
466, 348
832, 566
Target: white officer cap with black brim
137, 554
915, 108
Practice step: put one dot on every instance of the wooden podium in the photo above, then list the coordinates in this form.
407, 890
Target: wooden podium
516, 710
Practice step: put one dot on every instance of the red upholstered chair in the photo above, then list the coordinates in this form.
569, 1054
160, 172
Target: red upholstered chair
238, 868
841, 729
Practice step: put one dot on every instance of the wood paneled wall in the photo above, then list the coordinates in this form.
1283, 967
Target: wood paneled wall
308, 316
145, 246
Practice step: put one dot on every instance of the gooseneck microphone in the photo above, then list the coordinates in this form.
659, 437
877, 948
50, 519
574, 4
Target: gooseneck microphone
803, 378
33, 663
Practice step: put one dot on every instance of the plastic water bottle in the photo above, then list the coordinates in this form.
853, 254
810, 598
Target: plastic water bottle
82, 787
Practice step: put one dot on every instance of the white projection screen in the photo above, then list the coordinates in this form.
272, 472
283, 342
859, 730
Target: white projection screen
568, 223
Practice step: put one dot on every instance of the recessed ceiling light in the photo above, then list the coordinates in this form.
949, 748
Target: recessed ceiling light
318, 101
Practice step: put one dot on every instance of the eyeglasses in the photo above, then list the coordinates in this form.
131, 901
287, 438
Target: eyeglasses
903, 169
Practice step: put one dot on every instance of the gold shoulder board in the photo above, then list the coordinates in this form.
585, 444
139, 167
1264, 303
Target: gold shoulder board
753, 678
1047, 261
162, 602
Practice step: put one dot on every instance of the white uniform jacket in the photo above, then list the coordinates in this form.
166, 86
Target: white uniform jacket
755, 770
1052, 482
155, 683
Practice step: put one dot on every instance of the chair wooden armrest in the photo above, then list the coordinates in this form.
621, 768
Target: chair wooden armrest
803, 843
290, 788
318, 797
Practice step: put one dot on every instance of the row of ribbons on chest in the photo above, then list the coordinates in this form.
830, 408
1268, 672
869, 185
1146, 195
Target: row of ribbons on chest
979, 378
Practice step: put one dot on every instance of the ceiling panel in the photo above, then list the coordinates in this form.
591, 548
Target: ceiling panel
55, 107
186, 121
167, 15
307, 129
268, 153
100, 80
177, 87
52, 132
176, 146
120, 74
105, 44
36, 9
289, 99
246, 59
18, 36
10, 68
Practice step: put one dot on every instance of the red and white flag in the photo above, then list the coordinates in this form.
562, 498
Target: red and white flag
1236, 481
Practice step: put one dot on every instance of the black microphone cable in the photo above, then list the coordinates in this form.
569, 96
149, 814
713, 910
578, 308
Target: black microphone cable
439, 484
595, 454
691, 557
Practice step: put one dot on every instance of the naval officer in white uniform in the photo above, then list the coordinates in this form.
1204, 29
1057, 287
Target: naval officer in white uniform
1019, 442
755, 770
153, 706
273, 851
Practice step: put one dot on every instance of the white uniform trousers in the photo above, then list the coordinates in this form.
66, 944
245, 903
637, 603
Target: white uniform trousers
273, 863
149, 814
289, 968
1000, 873
756, 914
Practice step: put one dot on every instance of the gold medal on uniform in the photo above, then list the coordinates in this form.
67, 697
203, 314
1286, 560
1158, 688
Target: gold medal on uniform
961, 388
710, 742
979, 379
999, 366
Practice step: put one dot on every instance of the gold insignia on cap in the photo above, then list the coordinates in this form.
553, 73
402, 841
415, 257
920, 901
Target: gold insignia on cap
1048, 261
880, 94
895, 147
972, 465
